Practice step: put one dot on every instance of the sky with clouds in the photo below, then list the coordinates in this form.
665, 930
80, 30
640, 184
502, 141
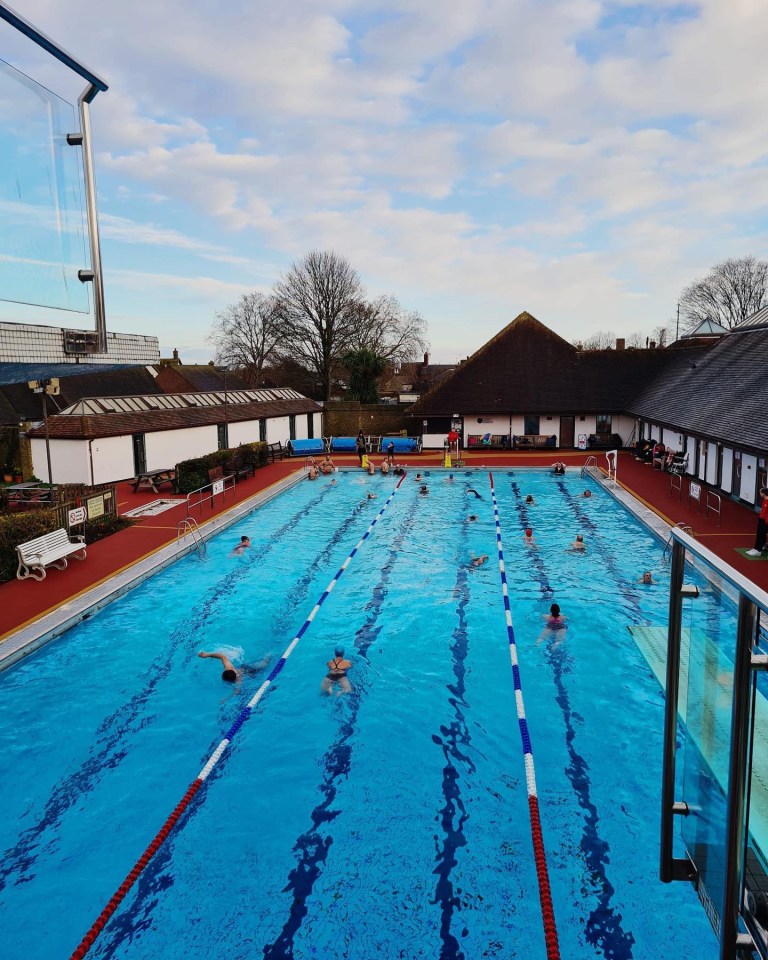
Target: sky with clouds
580, 159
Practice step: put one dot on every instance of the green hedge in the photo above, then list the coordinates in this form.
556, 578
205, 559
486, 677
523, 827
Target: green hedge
193, 474
16, 528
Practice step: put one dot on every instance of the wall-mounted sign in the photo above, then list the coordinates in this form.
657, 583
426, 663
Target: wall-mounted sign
694, 491
218, 487
75, 516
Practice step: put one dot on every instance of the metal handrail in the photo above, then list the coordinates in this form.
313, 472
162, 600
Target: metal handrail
591, 461
680, 525
214, 491
188, 526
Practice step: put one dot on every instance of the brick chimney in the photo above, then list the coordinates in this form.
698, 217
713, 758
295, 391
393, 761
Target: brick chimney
652, 345
426, 359
620, 343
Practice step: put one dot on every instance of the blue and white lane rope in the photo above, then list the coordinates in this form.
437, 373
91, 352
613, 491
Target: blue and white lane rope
537, 835
90, 938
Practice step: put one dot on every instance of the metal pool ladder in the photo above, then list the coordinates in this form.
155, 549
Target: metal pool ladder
588, 464
188, 527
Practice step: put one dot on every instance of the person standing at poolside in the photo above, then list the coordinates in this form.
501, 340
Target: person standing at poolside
762, 526
391, 452
360, 446
337, 674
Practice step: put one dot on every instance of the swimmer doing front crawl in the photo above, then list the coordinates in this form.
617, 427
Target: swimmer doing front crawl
230, 673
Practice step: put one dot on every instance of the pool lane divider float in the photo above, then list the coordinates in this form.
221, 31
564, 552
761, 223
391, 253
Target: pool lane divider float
117, 898
539, 854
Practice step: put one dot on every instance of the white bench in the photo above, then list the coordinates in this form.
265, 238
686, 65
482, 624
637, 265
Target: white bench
52, 549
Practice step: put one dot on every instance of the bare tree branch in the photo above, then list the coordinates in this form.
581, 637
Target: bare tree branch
246, 334
317, 302
732, 291
389, 331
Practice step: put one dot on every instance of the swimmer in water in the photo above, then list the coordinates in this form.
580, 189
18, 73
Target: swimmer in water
337, 674
470, 490
478, 561
528, 538
578, 544
230, 673
554, 626
245, 544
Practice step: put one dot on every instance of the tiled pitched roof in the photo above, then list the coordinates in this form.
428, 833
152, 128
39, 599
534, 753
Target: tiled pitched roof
723, 396
527, 368
203, 377
120, 424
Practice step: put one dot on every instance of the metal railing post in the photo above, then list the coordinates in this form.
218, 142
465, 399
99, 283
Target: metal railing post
737, 781
669, 868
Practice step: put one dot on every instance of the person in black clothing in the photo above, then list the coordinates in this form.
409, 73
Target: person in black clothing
360, 446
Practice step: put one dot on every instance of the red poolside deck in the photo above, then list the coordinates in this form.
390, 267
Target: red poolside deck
22, 602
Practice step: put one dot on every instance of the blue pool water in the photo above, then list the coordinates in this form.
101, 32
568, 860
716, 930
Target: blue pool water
392, 822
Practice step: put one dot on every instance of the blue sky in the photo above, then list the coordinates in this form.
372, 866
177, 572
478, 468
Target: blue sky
581, 160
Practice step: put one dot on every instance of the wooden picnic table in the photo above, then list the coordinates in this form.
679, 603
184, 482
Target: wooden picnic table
32, 490
152, 479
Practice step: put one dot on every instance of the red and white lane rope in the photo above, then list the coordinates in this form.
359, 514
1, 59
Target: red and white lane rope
90, 938
542, 873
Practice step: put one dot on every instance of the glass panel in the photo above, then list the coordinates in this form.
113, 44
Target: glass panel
708, 645
42, 240
756, 859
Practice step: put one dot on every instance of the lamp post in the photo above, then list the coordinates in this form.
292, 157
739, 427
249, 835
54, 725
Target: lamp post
49, 387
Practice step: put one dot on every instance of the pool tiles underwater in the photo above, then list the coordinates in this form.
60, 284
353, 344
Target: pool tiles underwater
391, 822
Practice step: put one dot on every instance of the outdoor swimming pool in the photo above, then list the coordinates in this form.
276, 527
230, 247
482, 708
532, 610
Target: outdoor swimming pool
392, 822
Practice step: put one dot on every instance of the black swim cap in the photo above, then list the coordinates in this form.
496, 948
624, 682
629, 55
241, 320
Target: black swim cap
229, 675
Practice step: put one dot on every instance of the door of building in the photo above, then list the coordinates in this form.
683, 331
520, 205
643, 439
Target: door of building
139, 454
566, 431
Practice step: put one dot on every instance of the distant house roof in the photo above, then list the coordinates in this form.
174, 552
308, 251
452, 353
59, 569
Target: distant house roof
194, 378
527, 368
417, 377
126, 415
722, 393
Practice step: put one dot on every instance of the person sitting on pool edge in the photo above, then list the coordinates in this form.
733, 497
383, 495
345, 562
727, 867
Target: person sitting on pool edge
327, 466
245, 544
337, 674
230, 674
